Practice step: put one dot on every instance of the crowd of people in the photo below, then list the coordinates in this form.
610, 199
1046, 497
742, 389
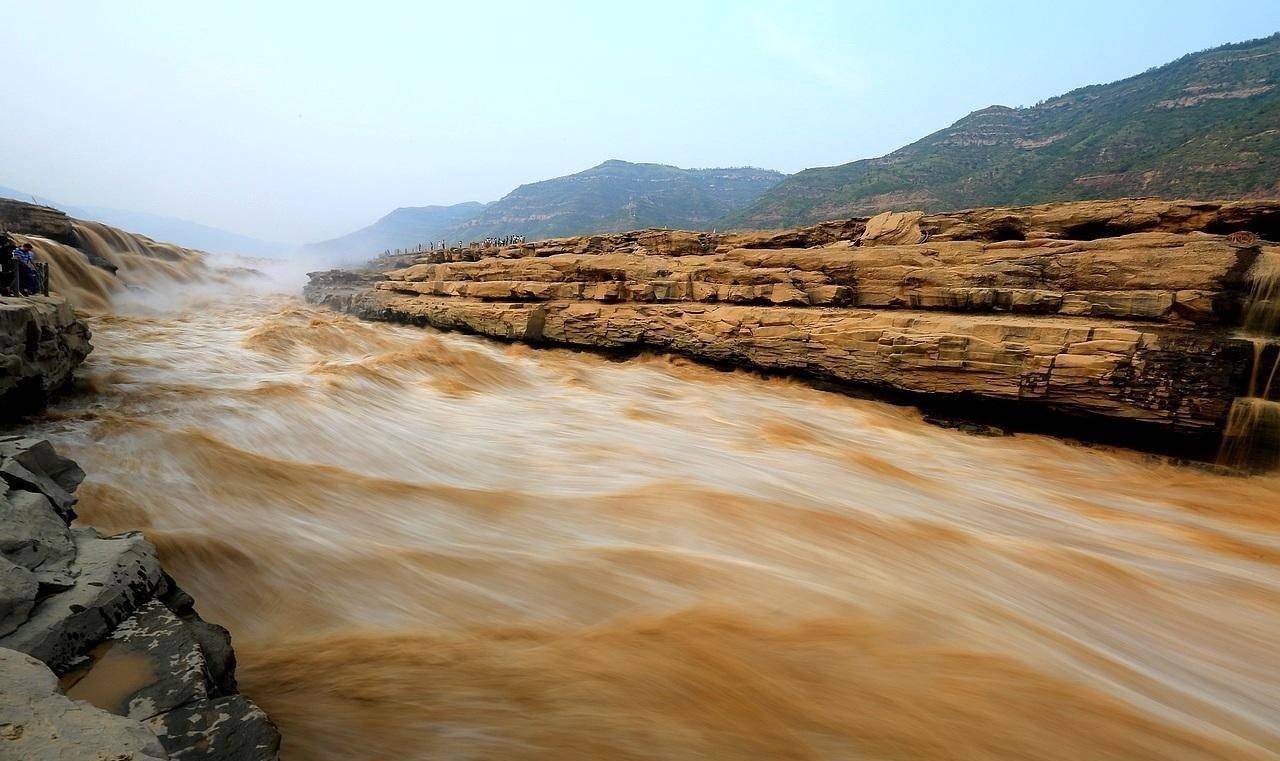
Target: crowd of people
20, 273
503, 240
443, 245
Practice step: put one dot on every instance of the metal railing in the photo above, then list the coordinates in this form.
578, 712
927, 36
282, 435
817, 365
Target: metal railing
11, 279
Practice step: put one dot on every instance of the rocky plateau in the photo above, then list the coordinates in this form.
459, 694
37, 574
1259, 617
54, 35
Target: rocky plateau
1108, 317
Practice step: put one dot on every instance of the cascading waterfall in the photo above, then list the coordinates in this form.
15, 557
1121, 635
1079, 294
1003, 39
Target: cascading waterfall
139, 262
1251, 439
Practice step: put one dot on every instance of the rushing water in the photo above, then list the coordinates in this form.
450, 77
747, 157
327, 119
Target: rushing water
1251, 437
431, 545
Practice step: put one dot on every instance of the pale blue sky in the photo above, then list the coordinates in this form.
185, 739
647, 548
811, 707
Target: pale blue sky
299, 121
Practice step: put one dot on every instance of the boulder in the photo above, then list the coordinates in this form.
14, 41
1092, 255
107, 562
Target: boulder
34, 536
893, 228
39, 456
38, 723
26, 474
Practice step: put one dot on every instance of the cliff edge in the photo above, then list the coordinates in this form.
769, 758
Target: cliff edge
42, 342
1102, 317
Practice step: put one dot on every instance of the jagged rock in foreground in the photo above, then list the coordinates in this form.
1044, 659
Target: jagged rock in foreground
41, 344
144, 676
39, 723
1115, 313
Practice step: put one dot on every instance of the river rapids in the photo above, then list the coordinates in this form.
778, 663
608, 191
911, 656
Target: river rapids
431, 545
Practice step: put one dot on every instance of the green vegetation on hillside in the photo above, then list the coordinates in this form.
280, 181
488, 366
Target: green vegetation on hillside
1204, 126
619, 195
611, 197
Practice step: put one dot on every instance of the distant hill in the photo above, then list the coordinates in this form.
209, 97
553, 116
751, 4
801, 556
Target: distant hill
1204, 126
166, 229
617, 196
611, 197
402, 228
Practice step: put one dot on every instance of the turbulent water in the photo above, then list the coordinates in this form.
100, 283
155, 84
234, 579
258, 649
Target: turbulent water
434, 546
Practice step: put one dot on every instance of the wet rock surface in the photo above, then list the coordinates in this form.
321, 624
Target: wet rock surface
38, 722
127, 642
224, 728
1119, 312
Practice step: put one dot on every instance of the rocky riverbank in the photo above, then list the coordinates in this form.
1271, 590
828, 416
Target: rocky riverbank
1109, 317
101, 654
41, 344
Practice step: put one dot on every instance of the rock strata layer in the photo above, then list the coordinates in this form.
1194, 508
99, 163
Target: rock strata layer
42, 342
142, 675
34, 219
1117, 312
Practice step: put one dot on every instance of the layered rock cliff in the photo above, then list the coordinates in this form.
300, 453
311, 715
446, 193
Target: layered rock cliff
1116, 312
41, 344
139, 673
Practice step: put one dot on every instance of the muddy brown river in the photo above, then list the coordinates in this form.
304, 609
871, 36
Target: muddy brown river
430, 545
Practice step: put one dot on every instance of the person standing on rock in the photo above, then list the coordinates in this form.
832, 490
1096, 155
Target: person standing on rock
25, 257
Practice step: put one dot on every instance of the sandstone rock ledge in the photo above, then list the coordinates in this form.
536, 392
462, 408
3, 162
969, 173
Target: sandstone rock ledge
142, 675
1104, 319
41, 344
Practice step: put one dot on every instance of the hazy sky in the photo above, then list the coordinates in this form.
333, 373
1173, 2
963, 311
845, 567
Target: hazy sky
300, 121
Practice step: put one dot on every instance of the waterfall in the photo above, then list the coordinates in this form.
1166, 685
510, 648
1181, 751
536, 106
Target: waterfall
1251, 438
107, 262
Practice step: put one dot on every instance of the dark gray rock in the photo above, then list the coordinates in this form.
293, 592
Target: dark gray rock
175, 599
21, 478
38, 723
116, 575
222, 729
39, 456
151, 664
41, 344
219, 657
18, 590
34, 536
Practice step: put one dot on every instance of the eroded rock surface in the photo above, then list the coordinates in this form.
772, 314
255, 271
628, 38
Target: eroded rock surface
34, 219
127, 642
1116, 311
41, 343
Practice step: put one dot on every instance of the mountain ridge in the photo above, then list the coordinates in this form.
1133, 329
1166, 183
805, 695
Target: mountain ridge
612, 196
1206, 125
400, 228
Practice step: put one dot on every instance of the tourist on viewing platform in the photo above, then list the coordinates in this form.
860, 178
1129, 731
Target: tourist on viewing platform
25, 258
8, 266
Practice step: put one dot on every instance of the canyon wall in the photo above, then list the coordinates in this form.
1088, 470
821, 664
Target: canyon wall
1117, 314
